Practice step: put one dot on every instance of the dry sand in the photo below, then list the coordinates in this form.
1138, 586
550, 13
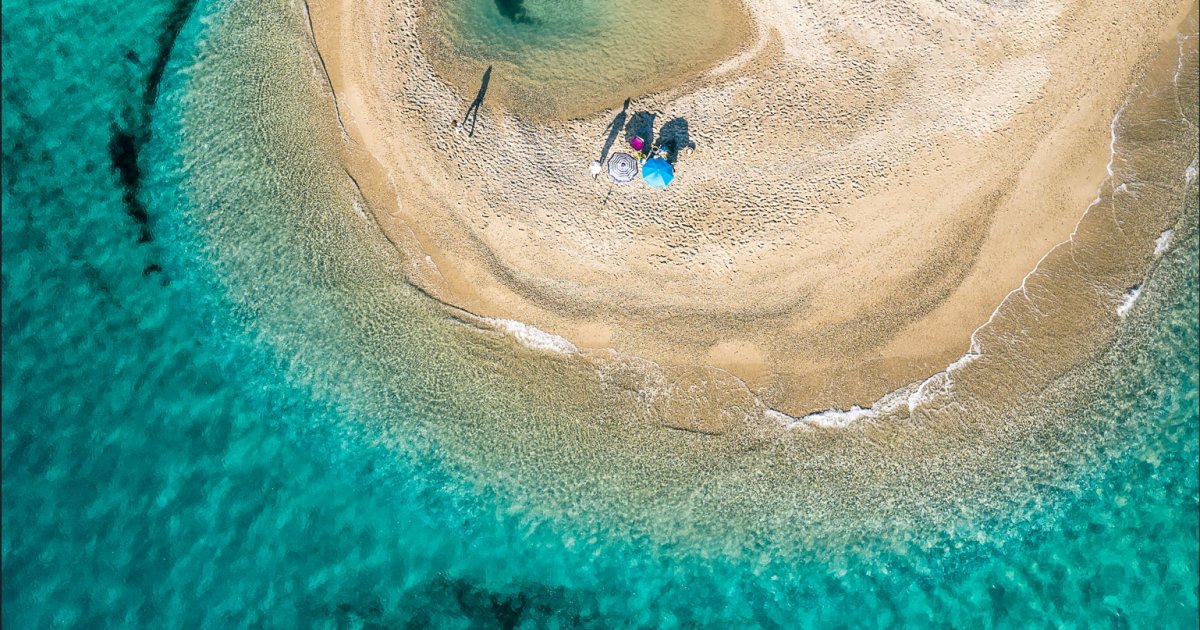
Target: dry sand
869, 184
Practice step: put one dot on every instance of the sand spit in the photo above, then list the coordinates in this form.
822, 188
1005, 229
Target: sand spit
868, 185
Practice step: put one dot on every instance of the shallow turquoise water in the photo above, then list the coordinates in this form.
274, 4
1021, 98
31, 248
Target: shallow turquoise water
574, 57
165, 465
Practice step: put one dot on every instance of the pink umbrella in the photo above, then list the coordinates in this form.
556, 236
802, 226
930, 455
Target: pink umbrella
637, 143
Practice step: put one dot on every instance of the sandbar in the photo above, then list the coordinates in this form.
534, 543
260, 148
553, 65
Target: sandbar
868, 183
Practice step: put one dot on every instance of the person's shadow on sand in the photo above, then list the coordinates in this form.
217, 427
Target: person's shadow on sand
641, 125
674, 136
473, 111
614, 129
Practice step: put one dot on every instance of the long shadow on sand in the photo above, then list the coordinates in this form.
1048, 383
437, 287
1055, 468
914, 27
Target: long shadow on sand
641, 124
473, 111
614, 129
674, 136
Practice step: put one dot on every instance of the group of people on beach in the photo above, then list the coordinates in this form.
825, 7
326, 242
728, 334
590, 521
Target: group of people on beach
662, 151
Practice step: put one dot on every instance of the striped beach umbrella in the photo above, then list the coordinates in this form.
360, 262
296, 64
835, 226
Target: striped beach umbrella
622, 168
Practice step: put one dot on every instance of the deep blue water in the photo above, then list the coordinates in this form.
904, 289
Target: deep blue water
164, 467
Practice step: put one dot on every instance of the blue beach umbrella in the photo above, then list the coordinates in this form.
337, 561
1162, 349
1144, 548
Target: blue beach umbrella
658, 172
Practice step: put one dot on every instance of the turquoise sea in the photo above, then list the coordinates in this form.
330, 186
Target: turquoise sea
223, 407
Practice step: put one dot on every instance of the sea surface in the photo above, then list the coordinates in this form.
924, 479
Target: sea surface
223, 406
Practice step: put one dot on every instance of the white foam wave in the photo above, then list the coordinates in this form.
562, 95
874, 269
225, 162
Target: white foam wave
1126, 305
937, 385
532, 337
910, 397
828, 419
1163, 242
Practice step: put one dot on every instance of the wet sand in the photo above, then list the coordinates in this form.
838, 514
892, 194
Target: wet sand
867, 187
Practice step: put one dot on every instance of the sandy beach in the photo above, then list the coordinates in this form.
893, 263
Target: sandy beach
867, 185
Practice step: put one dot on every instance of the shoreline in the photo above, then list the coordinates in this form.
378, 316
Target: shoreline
807, 344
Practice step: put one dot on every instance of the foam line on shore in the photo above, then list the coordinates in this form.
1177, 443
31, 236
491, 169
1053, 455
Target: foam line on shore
1163, 242
532, 337
975, 347
1131, 297
826, 419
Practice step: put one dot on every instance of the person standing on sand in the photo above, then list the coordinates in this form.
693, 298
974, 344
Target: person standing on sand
595, 169
457, 125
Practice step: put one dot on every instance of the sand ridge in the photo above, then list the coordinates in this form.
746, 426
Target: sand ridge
867, 186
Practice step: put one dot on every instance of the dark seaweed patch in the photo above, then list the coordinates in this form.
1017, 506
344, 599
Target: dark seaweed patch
130, 135
443, 597
123, 149
514, 10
